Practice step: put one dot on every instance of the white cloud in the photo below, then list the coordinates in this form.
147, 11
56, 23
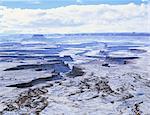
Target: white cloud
76, 19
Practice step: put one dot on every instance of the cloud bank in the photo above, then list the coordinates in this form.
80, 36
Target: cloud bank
76, 19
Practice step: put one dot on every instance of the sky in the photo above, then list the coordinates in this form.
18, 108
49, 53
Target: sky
74, 16
46, 4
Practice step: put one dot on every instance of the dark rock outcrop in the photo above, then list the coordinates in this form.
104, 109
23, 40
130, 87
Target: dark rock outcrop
57, 66
106, 65
76, 71
36, 81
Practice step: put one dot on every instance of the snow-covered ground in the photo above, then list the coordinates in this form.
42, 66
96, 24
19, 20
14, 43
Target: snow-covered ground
75, 75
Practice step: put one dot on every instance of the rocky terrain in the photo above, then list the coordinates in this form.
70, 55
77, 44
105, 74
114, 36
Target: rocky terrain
92, 78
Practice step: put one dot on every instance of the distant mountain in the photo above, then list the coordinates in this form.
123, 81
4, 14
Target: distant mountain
36, 37
43, 38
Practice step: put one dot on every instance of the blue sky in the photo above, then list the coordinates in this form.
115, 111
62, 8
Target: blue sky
46, 4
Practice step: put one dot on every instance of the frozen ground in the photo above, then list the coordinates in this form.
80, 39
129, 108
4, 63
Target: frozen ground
81, 74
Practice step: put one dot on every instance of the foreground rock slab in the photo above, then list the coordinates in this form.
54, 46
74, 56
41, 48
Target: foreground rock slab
31, 101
